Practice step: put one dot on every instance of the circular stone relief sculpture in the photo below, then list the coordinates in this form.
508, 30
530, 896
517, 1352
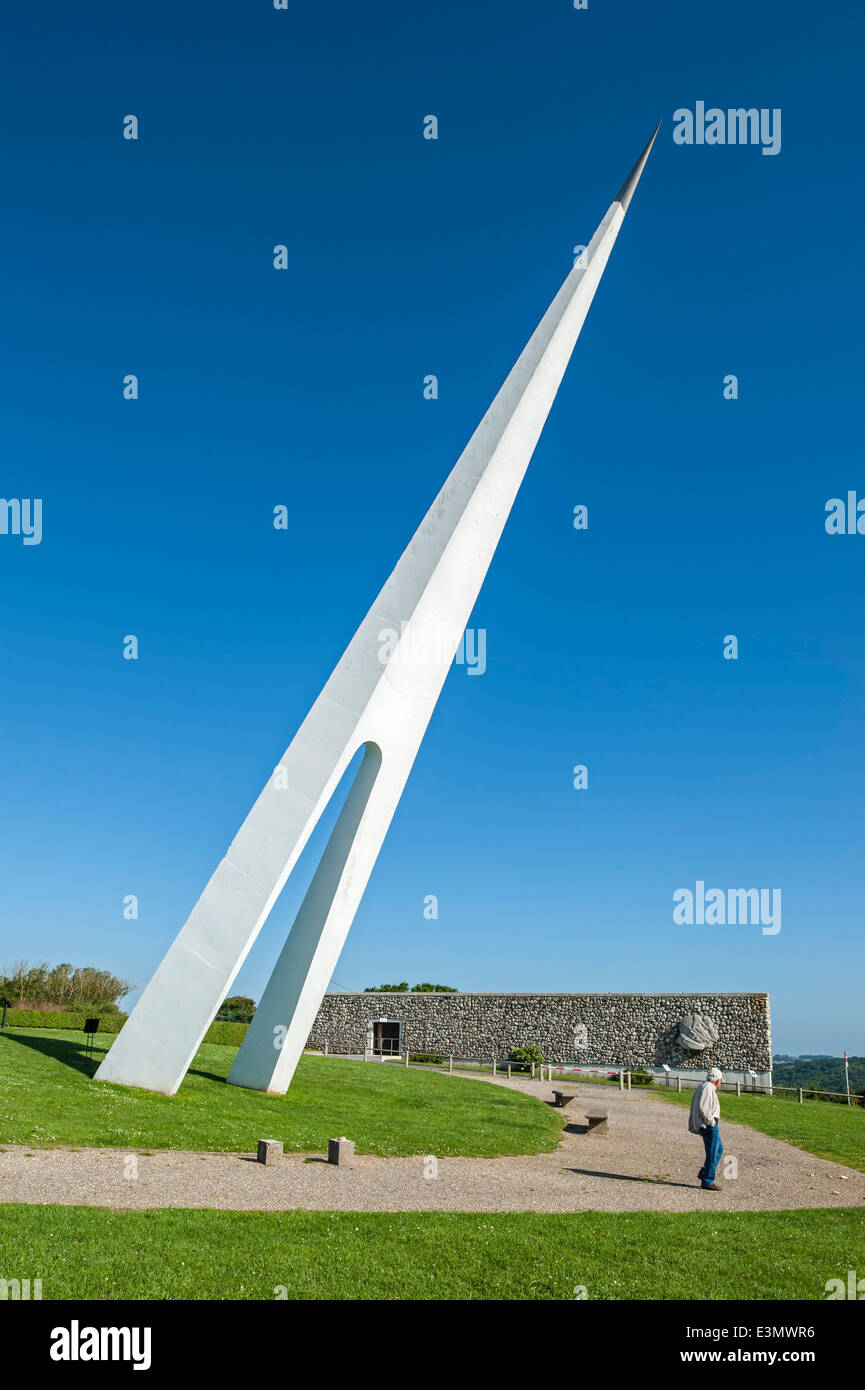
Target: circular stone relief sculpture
697, 1032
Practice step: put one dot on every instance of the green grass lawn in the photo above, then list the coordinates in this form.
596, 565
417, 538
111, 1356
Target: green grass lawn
48, 1097
92, 1252
830, 1131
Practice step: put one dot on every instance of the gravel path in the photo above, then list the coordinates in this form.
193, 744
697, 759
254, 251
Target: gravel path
645, 1161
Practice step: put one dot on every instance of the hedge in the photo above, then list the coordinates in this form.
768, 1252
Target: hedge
50, 1018
227, 1034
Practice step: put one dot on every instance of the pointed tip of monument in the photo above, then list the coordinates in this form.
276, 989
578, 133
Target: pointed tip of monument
626, 192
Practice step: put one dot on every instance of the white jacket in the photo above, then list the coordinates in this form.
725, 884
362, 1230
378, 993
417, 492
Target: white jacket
705, 1107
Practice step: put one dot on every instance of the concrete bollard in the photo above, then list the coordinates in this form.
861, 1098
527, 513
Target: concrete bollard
621, 1080
269, 1151
629, 1081
341, 1152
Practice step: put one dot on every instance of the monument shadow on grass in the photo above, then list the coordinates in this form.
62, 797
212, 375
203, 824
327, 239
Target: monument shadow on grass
73, 1054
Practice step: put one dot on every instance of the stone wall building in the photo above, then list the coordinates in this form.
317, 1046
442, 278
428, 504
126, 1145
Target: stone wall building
588, 1030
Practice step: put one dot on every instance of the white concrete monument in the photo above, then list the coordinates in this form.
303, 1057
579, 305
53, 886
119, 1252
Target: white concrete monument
379, 699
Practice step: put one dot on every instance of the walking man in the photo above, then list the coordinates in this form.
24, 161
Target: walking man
703, 1120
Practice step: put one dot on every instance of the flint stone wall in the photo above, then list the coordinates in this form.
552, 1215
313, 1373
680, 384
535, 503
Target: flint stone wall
622, 1030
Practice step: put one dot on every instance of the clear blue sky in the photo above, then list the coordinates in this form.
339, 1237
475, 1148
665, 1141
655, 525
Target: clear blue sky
304, 387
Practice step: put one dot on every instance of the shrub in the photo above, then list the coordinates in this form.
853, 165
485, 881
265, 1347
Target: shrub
523, 1057
642, 1077
236, 1009
430, 1058
403, 988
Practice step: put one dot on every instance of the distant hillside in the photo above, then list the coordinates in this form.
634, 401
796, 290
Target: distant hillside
819, 1073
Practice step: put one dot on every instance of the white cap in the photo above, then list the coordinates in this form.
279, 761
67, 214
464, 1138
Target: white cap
714, 1074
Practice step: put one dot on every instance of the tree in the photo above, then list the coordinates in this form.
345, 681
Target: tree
236, 1009
15, 982
63, 986
58, 986
97, 989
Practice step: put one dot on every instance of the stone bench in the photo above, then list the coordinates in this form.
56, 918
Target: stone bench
597, 1119
561, 1098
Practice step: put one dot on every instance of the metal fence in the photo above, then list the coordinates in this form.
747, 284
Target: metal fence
808, 1093
615, 1076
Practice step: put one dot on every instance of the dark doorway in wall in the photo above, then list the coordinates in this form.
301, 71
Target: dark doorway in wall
385, 1037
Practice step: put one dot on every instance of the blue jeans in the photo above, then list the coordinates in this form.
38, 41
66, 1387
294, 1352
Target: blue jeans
714, 1149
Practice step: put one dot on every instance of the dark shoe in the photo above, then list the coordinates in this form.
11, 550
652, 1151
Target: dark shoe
710, 1187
